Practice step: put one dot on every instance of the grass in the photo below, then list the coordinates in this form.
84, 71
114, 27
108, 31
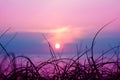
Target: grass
92, 68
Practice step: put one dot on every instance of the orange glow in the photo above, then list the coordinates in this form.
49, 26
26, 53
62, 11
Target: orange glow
57, 46
63, 34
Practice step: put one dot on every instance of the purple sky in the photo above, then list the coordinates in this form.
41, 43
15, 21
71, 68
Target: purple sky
62, 21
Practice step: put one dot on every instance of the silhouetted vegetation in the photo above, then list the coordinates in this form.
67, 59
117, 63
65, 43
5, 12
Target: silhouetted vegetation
91, 68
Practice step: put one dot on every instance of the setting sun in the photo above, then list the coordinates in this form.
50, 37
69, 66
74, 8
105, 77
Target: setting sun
57, 45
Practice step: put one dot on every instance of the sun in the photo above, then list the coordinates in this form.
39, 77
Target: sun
57, 45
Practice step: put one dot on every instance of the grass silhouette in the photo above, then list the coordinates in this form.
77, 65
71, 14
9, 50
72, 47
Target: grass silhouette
92, 68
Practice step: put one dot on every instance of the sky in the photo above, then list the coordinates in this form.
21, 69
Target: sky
67, 22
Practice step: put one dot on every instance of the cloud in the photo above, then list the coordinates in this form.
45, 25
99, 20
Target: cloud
62, 35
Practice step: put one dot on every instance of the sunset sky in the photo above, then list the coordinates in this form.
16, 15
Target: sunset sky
67, 22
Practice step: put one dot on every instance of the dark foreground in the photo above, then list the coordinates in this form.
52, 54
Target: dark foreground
100, 68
